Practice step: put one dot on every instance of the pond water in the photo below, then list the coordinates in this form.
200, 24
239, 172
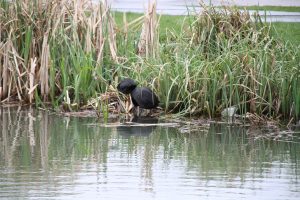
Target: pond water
46, 156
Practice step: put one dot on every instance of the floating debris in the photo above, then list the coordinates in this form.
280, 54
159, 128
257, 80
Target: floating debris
229, 112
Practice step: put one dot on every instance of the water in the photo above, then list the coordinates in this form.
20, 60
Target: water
46, 156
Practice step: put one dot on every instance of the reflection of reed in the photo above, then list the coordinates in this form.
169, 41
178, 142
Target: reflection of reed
44, 127
222, 150
147, 168
10, 134
31, 130
18, 131
5, 137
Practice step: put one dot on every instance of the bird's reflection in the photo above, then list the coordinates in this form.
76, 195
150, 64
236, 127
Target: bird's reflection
139, 126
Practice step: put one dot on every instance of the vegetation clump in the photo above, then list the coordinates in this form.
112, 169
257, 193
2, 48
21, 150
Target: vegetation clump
57, 51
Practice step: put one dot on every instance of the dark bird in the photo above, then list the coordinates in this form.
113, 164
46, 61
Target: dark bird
142, 97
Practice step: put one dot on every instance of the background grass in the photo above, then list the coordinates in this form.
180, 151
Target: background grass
272, 8
287, 31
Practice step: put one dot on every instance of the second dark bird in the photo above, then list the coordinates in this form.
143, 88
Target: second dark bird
141, 96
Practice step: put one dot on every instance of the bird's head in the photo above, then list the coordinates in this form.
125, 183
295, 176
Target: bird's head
126, 86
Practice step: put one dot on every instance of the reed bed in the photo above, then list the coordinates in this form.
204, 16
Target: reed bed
69, 52
51, 47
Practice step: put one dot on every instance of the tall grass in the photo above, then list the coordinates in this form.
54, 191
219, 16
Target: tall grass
60, 45
226, 58
72, 50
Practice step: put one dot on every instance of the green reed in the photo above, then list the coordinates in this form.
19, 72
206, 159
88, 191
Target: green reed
225, 59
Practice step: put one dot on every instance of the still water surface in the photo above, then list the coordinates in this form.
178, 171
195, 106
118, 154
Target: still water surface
45, 156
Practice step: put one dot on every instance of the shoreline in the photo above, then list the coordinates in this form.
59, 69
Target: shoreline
126, 119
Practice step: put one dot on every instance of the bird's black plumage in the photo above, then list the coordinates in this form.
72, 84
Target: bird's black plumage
144, 98
126, 86
141, 96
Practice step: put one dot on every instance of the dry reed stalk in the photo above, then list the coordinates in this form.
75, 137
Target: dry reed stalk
134, 24
44, 68
1, 14
88, 39
18, 63
1, 64
77, 11
31, 75
101, 14
95, 37
142, 43
81, 21
148, 43
112, 38
59, 14
5, 72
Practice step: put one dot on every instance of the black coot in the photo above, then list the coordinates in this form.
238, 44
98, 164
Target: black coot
141, 96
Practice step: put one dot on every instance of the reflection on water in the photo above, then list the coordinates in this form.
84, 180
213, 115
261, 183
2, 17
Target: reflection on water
43, 155
130, 131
